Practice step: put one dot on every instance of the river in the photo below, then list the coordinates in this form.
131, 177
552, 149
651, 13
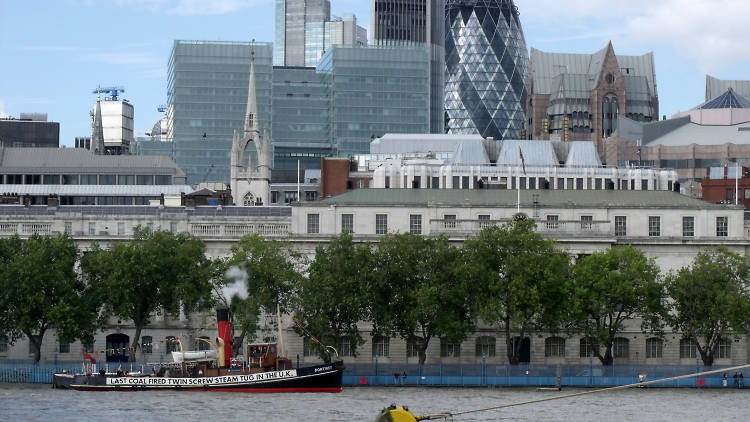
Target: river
41, 403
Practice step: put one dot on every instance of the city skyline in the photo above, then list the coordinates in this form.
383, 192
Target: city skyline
72, 46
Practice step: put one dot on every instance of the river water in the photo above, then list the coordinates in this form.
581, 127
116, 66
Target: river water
41, 403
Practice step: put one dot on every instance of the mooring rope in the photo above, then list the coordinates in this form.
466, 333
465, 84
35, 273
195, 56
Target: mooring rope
445, 415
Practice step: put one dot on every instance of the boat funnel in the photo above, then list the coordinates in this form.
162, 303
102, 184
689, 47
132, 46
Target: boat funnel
225, 333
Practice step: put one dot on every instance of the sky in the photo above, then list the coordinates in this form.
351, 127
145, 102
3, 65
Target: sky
54, 53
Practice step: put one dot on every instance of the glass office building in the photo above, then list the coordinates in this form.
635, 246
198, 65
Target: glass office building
207, 95
301, 123
375, 90
487, 66
300, 34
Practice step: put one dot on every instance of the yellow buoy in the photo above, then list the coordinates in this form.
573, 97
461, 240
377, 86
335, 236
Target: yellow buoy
395, 413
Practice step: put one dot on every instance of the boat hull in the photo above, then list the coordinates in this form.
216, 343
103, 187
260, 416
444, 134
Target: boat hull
321, 378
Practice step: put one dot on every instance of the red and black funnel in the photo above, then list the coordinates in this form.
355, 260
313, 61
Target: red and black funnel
225, 333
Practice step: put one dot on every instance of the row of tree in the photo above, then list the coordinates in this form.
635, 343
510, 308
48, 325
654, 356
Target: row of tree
409, 286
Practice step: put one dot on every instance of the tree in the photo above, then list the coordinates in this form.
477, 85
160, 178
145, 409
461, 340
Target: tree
520, 281
272, 276
612, 287
708, 304
416, 291
154, 272
334, 297
40, 290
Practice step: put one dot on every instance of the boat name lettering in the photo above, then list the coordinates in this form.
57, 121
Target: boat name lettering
226, 379
325, 368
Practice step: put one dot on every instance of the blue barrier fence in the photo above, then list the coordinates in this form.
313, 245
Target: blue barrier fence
473, 375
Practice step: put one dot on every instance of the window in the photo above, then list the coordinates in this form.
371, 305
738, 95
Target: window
347, 223
722, 226
654, 226
621, 225
32, 349
203, 343
587, 222
163, 179
688, 349
144, 179
64, 347
415, 224
688, 226
313, 223
345, 348
485, 347
147, 344
171, 344
308, 348
654, 347
248, 200
449, 349
554, 347
290, 196
87, 347
588, 347
381, 346
68, 227
3, 344
484, 221
121, 229
92, 229
51, 179
724, 349
126, 179
311, 195
412, 346
449, 220
553, 222
381, 223
107, 179
621, 348
172, 227
88, 179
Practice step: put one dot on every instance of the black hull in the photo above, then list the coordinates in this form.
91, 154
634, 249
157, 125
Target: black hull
321, 378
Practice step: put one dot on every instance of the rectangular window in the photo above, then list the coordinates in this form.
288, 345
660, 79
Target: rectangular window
308, 348
598, 184
121, 229
688, 226
290, 196
449, 221
654, 226
587, 222
69, 179
465, 182
381, 346
64, 347
553, 222
88, 179
3, 344
88, 347
722, 226
621, 225
92, 229
554, 347
275, 197
126, 179
412, 349
449, 349
688, 349
381, 223
654, 348
313, 223
345, 348
644, 184
621, 348
107, 179
587, 347
484, 221
163, 179
532, 182
725, 349
347, 223
68, 227
146, 344
415, 224
579, 183
144, 179
311, 195
485, 347
173, 227
435, 183
51, 179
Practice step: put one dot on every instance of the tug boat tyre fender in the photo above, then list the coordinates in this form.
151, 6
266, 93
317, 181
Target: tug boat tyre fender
395, 413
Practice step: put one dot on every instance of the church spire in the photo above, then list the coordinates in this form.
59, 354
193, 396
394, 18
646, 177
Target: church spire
251, 113
97, 131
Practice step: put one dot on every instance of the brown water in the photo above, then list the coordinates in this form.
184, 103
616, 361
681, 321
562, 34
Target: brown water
41, 403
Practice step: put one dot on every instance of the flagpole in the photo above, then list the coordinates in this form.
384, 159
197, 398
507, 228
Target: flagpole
518, 192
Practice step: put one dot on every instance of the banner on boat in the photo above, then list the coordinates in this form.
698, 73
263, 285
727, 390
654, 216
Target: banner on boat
225, 379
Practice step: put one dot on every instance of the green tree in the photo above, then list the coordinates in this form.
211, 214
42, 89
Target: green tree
708, 304
416, 293
334, 296
153, 273
40, 290
230, 292
611, 288
520, 281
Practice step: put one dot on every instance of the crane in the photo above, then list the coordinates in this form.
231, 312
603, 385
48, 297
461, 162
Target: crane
114, 91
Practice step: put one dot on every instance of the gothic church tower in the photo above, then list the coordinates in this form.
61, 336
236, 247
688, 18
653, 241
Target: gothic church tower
251, 184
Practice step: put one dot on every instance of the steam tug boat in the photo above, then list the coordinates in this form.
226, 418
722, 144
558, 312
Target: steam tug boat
265, 371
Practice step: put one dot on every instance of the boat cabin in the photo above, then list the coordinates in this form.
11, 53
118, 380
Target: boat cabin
265, 356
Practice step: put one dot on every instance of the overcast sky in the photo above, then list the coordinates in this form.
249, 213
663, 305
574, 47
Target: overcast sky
53, 53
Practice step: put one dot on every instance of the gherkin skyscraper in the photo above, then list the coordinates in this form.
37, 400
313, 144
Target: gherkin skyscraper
487, 66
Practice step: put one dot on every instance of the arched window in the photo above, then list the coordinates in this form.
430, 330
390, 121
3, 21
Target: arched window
654, 347
621, 348
606, 121
588, 347
554, 347
485, 346
248, 200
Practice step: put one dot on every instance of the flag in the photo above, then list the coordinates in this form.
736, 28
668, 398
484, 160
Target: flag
89, 357
523, 163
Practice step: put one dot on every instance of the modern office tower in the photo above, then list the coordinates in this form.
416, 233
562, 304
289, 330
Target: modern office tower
301, 124
375, 90
29, 130
487, 66
300, 31
117, 126
404, 22
207, 95
580, 96
345, 31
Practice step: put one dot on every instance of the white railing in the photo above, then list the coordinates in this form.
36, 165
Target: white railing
41, 228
